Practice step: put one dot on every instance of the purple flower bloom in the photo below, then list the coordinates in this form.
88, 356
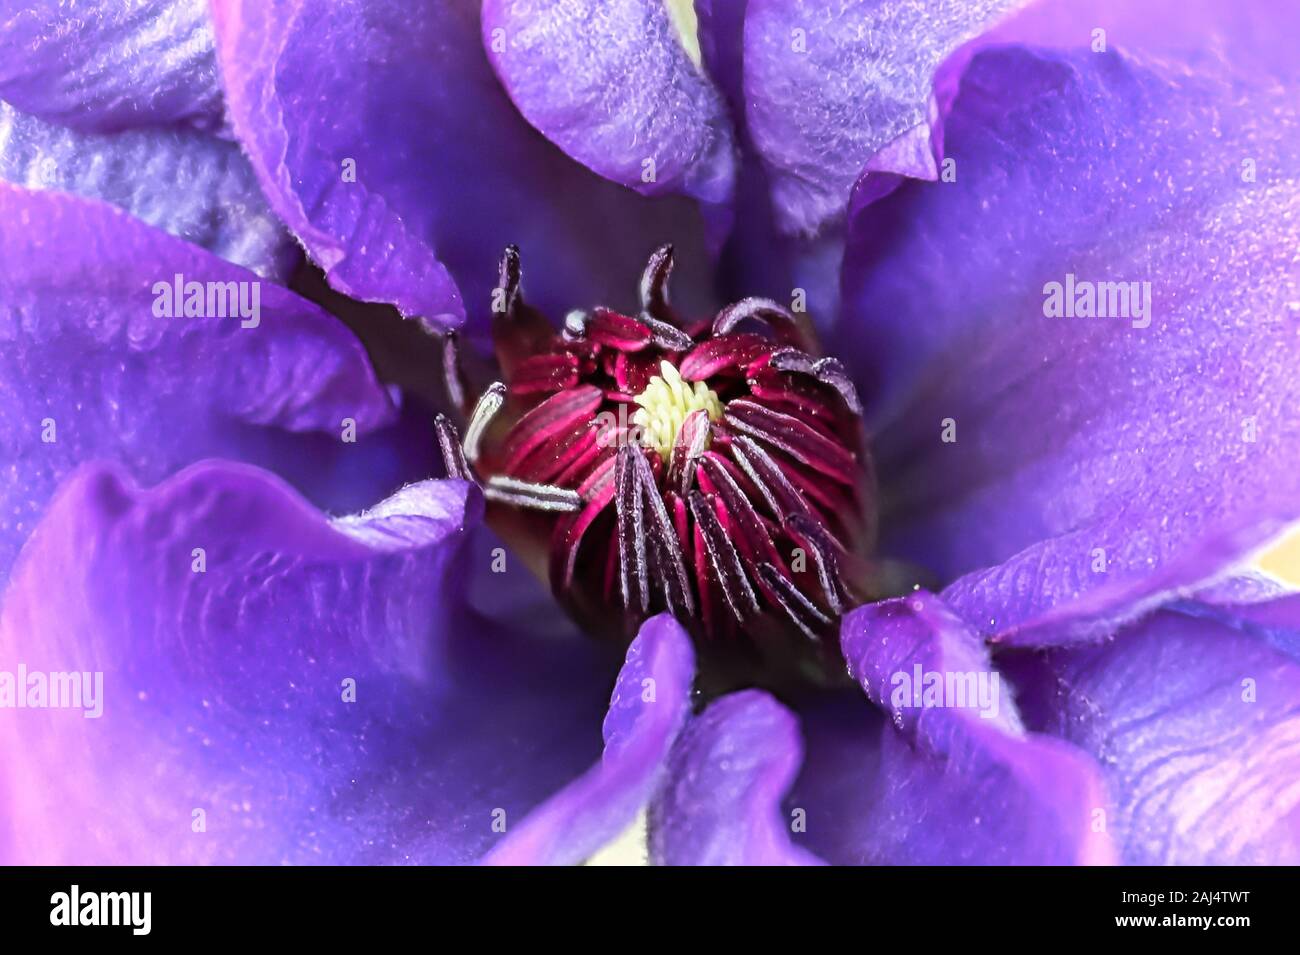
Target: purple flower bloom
934, 546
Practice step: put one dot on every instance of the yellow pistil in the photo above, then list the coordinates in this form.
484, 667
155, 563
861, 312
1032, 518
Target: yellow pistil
681, 13
665, 404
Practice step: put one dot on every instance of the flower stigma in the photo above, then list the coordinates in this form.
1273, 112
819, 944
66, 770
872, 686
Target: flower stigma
666, 403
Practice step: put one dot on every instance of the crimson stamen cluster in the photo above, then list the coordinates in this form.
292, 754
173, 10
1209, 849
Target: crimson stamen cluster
715, 469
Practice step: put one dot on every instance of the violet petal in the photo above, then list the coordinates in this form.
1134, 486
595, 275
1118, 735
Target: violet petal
721, 801
1083, 459
104, 65
88, 370
183, 181
958, 780
617, 90
650, 703
385, 142
1194, 719
1254, 37
317, 688
834, 88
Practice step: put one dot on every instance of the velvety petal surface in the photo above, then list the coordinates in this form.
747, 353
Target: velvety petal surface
721, 801
1246, 587
1254, 36
103, 65
758, 258
1096, 465
183, 181
954, 778
650, 703
843, 738
88, 369
1194, 719
383, 138
947, 779
317, 689
836, 89
1275, 622
620, 87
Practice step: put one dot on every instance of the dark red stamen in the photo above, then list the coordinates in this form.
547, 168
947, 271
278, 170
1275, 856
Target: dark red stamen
733, 495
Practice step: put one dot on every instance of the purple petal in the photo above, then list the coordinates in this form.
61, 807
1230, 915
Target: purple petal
87, 369
1279, 614
720, 31
1255, 37
447, 173
649, 706
956, 778
833, 89
1244, 587
185, 182
1274, 621
316, 689
103, 65
885, 642
1041, 596
1103, 463
721, 801
843, 735
617, 90
1196, 722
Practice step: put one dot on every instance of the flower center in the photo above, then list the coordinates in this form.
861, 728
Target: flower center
665, 404
710, 467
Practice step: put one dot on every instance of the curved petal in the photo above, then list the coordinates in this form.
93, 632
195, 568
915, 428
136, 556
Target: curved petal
833, 89
90, 368
1195, 722
954, 778
1253, 37
616, 89
1103, 461
104, 65
193, 185
299, 691
1246, 587
383, 139
844, 737
721, 801
1041, 596
1274, 621
855, 92
650, 703
719, 32
758, 259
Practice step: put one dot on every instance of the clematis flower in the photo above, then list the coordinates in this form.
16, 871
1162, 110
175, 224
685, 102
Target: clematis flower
862, 550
